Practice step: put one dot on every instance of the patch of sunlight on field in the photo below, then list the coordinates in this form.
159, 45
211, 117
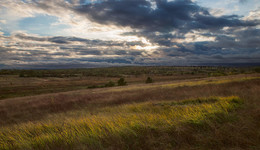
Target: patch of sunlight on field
185, 83
113, 123
215, 81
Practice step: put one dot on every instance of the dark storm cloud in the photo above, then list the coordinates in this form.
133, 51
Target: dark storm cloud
70, 40
243, 39
210, 22
167, 16
81, 50
240, 46
109, 60
157, 23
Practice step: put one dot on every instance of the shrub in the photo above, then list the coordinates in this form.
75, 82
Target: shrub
92, 87
110, 84
21, 75
121, 82
149, 80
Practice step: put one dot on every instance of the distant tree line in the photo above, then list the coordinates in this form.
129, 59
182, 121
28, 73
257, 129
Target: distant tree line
131, 71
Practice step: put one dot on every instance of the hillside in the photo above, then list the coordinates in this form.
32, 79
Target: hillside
207, 113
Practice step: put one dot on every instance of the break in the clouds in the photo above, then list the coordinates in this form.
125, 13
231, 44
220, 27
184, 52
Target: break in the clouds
93, 33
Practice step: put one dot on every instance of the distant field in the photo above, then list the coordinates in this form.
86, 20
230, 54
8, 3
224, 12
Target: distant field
17, 83
14, 86
175, 112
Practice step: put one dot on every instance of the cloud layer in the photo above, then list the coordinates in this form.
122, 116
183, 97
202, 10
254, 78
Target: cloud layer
125, 32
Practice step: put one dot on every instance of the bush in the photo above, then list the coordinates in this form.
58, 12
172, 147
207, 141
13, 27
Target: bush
121, 82
92, 87
110, 84
21, 75
149, 80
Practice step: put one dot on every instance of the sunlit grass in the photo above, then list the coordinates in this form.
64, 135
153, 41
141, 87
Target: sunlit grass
187, 83
210, 81
118, 124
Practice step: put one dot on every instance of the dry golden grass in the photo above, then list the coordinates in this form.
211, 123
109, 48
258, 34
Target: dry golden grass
14, 86
37, 107
144, 118
112, 123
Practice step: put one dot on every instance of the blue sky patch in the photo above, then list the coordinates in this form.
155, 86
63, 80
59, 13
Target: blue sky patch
42, 25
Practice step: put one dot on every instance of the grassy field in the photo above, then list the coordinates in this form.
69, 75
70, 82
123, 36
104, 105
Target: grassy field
122, 126
17, 83
194, 113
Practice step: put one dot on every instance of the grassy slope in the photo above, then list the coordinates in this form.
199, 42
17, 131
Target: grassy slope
13, 86
119, 126
18, 83
109, 119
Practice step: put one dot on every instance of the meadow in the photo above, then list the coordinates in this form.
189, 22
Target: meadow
176, 111
18, 83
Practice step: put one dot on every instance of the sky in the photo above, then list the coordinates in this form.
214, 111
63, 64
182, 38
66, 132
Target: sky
51, 34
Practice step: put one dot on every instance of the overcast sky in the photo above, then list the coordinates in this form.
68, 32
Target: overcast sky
96, 33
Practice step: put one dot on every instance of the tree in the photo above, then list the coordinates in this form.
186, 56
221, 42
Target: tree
121, 82
149, 80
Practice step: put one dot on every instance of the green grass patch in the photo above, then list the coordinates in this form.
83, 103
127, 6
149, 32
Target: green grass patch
197, 101
129, 126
